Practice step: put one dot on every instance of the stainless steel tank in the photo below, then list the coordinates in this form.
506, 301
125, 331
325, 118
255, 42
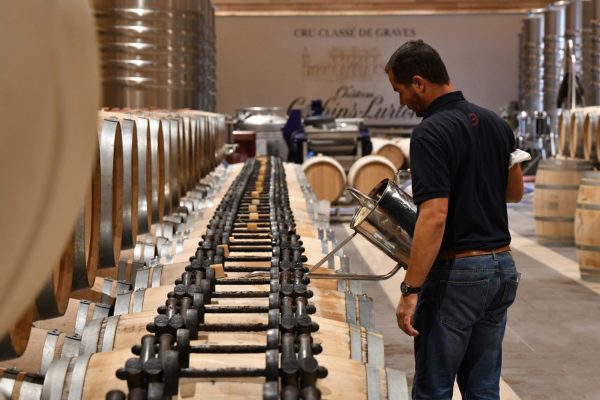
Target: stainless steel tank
152, 52
574, 31
522, 68
554, 53
267, 123
533, 70
595, 61
587, 49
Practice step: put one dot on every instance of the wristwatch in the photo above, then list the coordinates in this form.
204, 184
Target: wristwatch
406, 290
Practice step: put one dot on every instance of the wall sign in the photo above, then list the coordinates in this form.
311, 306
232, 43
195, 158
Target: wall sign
288, 61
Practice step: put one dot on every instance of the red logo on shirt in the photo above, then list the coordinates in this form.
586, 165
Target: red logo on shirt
474, 119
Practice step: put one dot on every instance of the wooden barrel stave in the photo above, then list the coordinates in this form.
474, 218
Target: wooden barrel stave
576, 130
14, 341
87, 235
130, 183
144, 174
111, 195
52, 301
564, 128
587, 226
590, 134
157, 161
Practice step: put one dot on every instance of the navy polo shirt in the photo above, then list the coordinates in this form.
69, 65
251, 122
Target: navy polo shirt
461, 151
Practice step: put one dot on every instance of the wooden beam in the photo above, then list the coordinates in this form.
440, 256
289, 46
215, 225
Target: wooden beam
341, 7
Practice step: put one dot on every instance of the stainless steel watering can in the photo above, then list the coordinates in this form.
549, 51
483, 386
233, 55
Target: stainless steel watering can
386, 218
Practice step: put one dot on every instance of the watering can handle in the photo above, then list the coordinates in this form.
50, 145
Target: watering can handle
362, 198
361, 277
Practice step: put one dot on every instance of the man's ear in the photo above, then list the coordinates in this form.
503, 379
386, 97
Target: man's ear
418, 82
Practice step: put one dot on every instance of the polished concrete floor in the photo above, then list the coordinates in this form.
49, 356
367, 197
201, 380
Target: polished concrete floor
552, 342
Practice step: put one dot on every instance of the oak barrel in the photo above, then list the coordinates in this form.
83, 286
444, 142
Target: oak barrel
368, 171
111, 192
576, 132
15, 385
587, 226
390, 150
556, 186
326, 177
564, 124
52, 301
590, 135
51, 83
86, 233
14, 342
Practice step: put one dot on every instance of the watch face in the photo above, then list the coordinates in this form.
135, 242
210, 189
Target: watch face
403, 288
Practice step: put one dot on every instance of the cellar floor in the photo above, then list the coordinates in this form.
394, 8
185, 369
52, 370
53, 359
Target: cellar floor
552, 342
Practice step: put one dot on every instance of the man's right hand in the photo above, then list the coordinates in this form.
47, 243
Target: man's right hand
405, 312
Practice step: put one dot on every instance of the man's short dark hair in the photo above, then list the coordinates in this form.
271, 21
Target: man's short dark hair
417, 58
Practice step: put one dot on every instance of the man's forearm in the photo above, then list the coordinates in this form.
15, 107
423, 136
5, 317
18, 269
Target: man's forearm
427, 239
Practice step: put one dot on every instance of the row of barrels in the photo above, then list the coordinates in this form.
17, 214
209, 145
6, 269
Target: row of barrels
328, 178
579, 133
150, 170
567, 210
352, 351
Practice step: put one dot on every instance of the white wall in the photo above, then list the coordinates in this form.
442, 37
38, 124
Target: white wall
272, 61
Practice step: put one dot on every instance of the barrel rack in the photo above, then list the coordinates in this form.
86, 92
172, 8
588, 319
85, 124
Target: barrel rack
183, 317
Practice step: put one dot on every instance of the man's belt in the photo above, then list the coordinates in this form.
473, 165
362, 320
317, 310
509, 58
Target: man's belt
454, 254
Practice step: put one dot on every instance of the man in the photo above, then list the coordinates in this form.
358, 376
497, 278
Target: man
461, 277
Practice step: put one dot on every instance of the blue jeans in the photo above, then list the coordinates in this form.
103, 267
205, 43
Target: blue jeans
461, 318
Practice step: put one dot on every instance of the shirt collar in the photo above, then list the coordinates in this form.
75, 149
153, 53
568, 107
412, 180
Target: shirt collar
442, 101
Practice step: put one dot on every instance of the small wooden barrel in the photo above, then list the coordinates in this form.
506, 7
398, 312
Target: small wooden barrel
564, 129
368, 171
390, 150
576, 132
326, 177
587, 226
590, 135
556, 186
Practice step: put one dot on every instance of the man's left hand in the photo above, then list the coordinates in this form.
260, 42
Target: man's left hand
405, 313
